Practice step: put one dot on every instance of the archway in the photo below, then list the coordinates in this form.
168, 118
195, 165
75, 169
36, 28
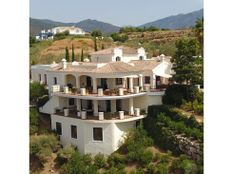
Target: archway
70, 80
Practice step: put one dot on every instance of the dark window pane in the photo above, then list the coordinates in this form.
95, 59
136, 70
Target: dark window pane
147, 79
71, 101
55, 81
74, 131
118, 81
58, 128
97, 134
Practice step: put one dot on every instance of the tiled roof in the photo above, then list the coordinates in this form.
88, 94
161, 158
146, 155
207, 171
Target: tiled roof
145, 64
125, 50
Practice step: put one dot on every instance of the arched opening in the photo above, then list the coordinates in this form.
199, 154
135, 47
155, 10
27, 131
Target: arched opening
70, 80
118, 58
86, 82
141, 58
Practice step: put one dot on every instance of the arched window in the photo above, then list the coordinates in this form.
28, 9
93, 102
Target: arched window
118, 58
140, 57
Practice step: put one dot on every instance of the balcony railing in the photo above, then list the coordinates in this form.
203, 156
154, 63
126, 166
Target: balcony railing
88, 114
106, 92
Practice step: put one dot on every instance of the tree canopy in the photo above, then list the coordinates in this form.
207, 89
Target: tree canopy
96, 33
188, 64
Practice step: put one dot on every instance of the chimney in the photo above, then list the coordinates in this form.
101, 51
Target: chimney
64, 63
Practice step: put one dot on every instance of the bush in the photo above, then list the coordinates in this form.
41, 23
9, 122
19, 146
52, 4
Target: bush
139, 171
34, 121
42, 146
87, 159
37, 90
161, 168
114, 170
136, 142
184, 164
99, 161
65, 154
116, 159
118, 37
146, 157
176, 94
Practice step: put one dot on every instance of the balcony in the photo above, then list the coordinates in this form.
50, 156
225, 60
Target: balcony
103, 117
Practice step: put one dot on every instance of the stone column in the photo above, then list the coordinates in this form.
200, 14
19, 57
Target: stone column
124, 82
94, 80
78, 82
131, 106
131, 84
153, 81
95, 107
141, 81
78, 104
113, 106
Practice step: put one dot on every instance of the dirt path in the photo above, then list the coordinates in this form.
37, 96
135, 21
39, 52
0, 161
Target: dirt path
50, 166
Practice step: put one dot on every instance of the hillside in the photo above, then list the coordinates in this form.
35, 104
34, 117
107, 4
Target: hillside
36, 25
176, 22
44, 52
155, 43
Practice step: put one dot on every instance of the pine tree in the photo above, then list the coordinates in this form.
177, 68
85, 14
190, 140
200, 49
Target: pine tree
67, 54
82, 55
73, 54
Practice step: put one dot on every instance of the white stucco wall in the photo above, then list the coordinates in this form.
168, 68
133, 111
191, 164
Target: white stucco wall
112, 134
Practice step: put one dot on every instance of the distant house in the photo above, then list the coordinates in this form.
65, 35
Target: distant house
44, 35
72, 30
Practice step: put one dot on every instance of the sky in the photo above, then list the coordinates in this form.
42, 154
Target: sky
116, 12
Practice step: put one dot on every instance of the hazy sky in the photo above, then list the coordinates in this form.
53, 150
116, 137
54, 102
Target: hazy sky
117, 12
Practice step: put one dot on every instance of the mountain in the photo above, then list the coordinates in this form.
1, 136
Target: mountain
89, 25
36, 25
179, 21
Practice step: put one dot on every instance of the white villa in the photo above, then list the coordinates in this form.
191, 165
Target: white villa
73, 30
94, 104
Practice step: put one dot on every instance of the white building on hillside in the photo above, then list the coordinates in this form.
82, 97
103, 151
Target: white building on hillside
94, 104
72, 30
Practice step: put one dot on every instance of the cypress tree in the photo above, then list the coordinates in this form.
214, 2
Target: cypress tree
73, 54
95, 44
82, 55
67, 54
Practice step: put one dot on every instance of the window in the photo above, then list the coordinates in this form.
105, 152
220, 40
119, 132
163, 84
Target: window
97, 134
74, 131
55, 80
71, 101
147, 79
118, 58
40, 77
118, 81
58, 128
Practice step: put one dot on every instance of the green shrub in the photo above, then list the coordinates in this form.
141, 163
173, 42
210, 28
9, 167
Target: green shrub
176, 94
161, 168
65, 154
184, 164
34, 121
139, 171
114, 170
136, 142
146, 157
99, 160
151, 169
115, 159
42, 146
87, 159
37, 90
